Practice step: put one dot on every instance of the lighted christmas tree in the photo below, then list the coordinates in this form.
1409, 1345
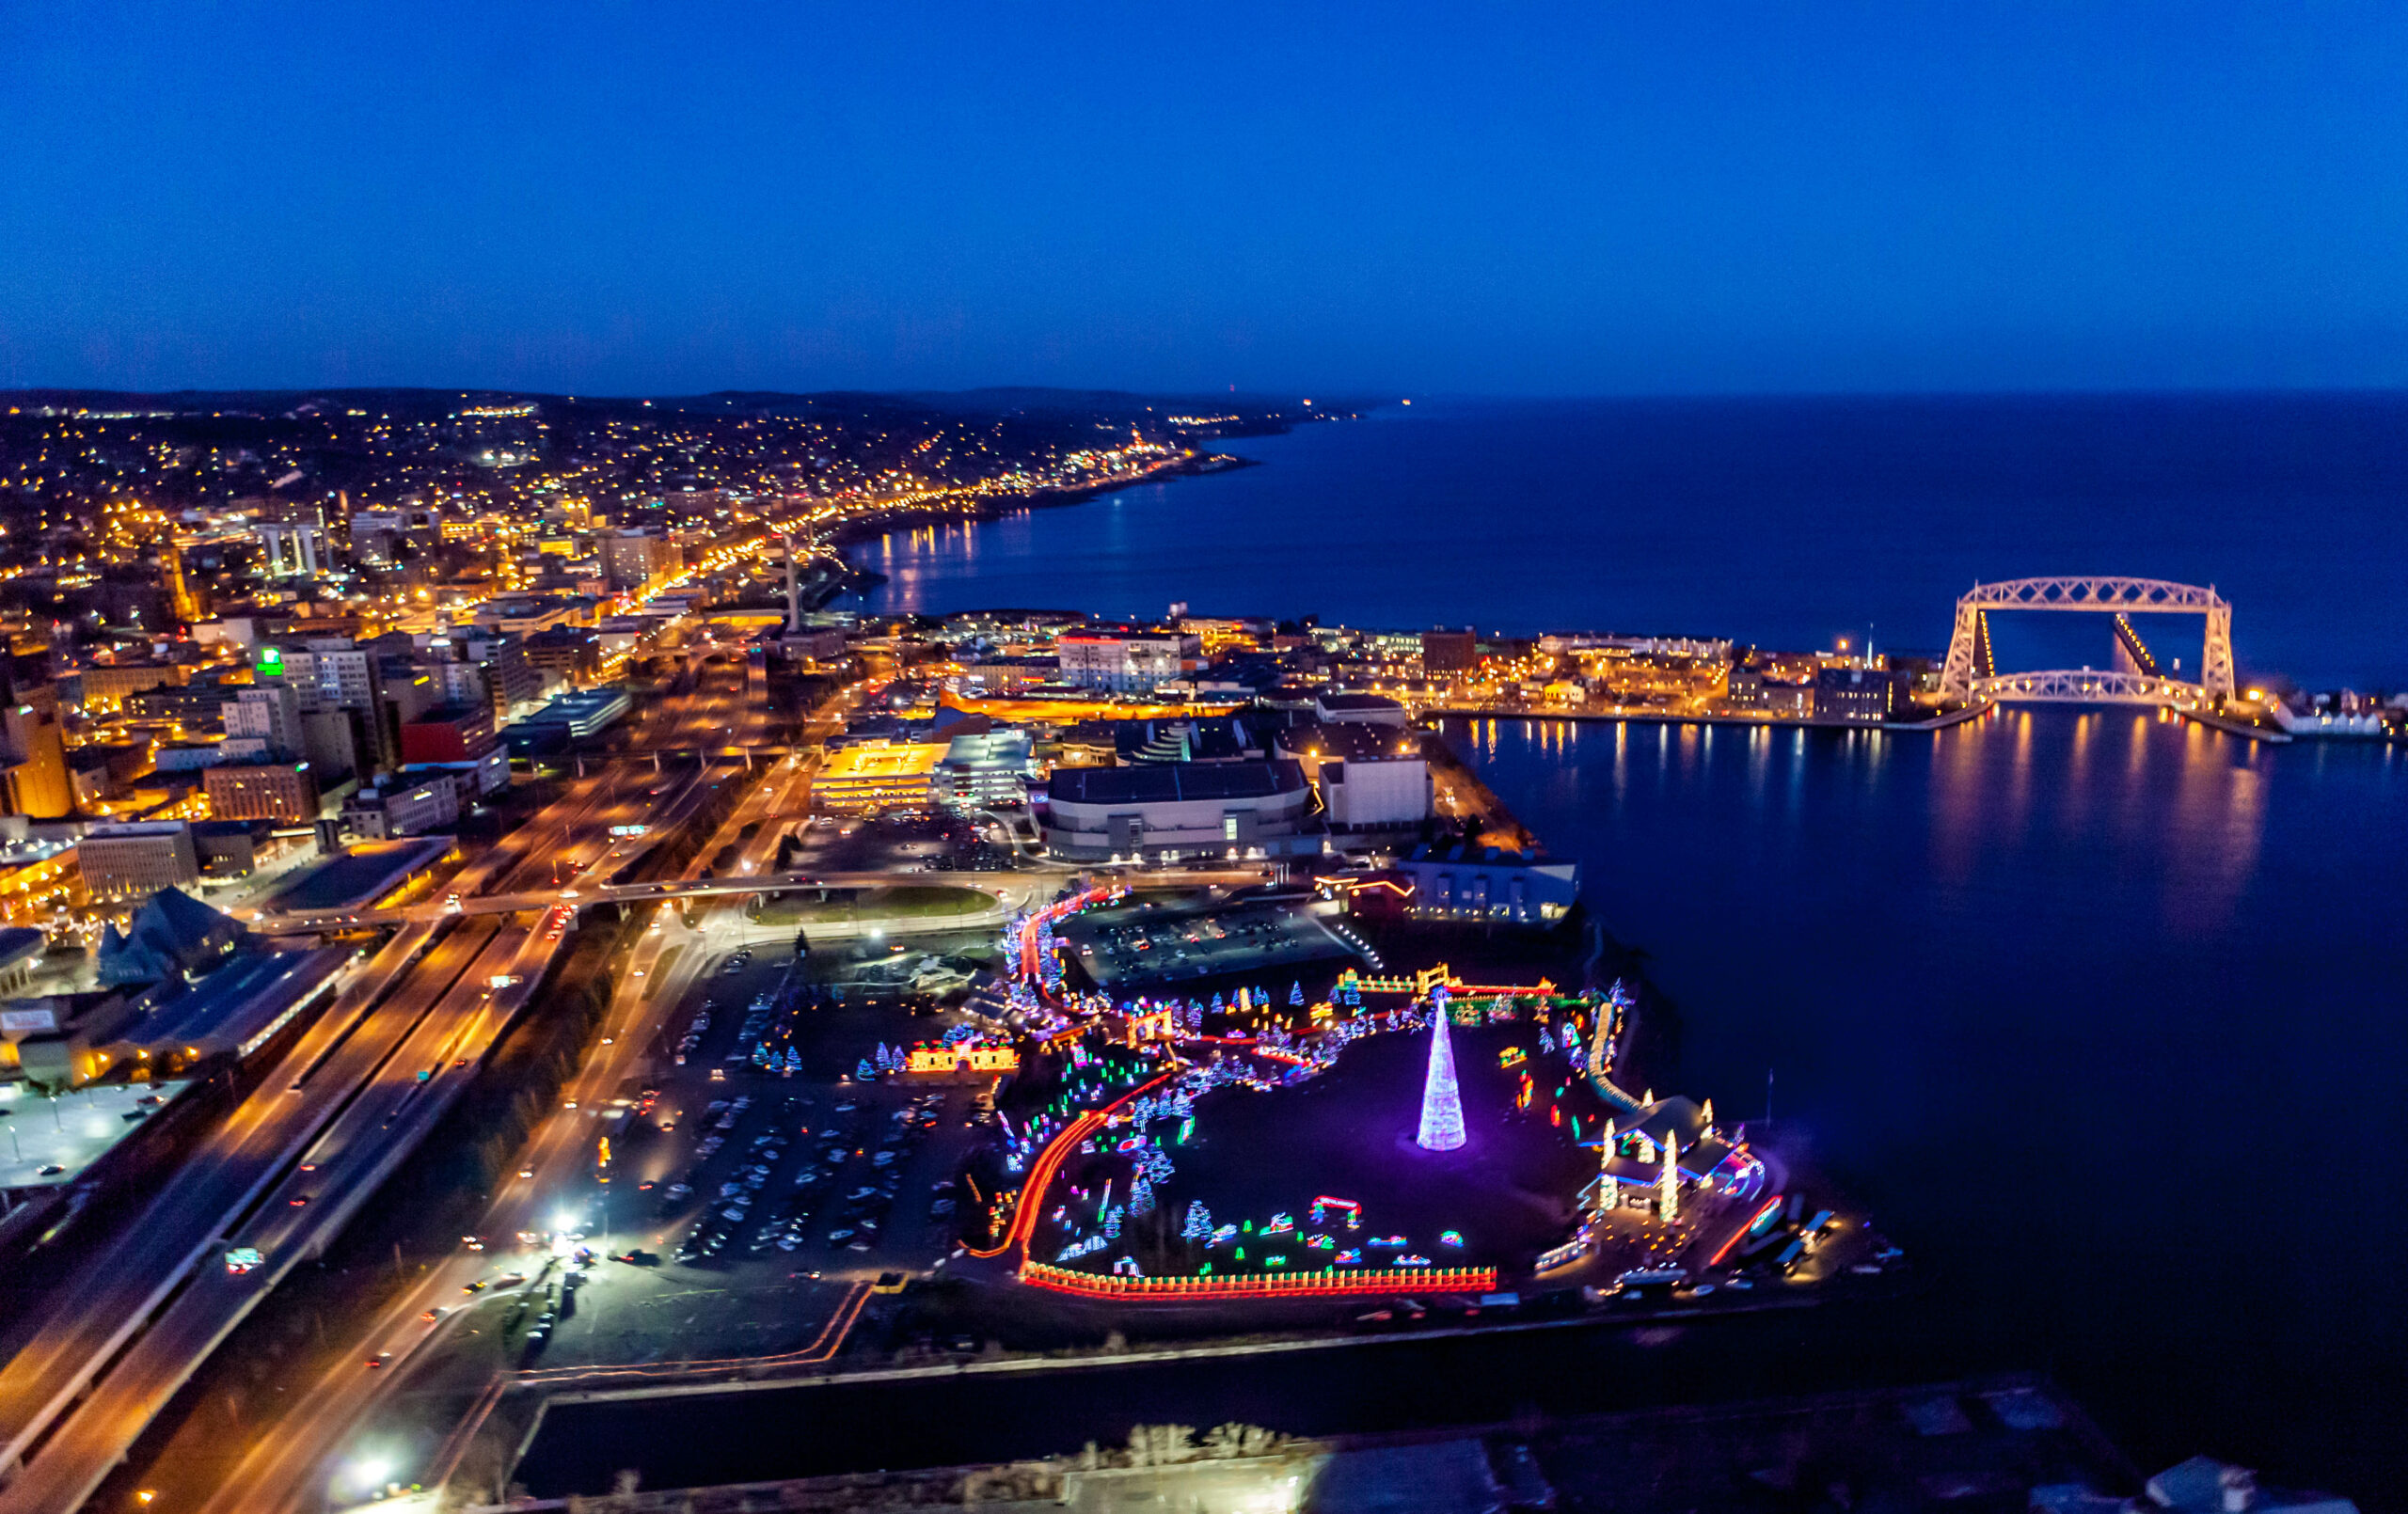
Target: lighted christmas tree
1296, 995
1442, 1107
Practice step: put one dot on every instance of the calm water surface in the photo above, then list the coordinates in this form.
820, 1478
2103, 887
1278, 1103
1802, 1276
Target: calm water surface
2104, 1014
1782, 522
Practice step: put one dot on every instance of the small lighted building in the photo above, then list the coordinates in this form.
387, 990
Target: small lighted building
968, 1056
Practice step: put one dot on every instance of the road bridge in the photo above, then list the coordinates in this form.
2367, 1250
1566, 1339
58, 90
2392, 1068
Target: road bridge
999, 884
1970, 673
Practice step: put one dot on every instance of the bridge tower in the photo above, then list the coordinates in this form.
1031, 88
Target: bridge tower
1969, 673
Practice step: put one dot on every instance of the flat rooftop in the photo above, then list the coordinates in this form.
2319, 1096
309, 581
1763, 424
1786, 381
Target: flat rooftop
1168, 782
871, 764
233, 1008
71, 1131
361, 875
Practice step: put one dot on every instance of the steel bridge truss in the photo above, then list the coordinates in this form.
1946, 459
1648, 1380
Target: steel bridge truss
1967, 674
2089, 686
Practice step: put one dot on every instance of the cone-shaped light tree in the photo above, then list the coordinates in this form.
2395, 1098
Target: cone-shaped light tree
1442, 1105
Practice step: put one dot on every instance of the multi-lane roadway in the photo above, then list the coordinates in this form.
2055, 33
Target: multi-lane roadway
292, 1162
291, 1465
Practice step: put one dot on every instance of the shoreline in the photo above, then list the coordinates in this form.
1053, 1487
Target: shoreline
853, 532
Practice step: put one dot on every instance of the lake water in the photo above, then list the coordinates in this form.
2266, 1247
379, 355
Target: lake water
2103, 1014
1782, 523
2106, 1014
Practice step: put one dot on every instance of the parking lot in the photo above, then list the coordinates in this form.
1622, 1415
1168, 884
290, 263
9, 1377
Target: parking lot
759, 1146
889, 844
1150, 941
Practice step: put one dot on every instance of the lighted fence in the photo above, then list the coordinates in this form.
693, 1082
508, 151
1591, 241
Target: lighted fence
1325, 1284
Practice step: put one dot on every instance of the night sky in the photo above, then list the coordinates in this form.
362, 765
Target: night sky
1601, 197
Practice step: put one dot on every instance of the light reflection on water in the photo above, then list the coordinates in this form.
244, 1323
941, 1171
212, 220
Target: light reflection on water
2058, 990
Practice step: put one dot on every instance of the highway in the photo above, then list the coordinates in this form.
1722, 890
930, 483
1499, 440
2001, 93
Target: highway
351, 1086
291, 1465
123, 1282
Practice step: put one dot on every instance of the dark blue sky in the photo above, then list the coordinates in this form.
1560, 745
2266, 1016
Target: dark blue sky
1598, 198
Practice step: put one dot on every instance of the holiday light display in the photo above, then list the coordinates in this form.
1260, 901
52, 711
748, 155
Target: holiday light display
1442, 1109
1667, 1186
1293, 1286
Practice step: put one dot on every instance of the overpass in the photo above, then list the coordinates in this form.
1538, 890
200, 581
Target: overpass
118, 1339
1970, 673
999, 885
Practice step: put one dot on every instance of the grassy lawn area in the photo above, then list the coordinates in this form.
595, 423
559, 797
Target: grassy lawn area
910, 901
659, 973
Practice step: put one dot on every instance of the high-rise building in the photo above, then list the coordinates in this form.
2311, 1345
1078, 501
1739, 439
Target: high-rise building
266, 791
1125, 660
633, 561
331, 739
1449, 652
511, 680
290, 549
34, 753
265, 712
333, 672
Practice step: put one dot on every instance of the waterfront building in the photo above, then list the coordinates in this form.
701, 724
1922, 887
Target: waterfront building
1371, 799
1463, 880
1752, 690
1853, 695
1123, 659
1364, 709
1180, 812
